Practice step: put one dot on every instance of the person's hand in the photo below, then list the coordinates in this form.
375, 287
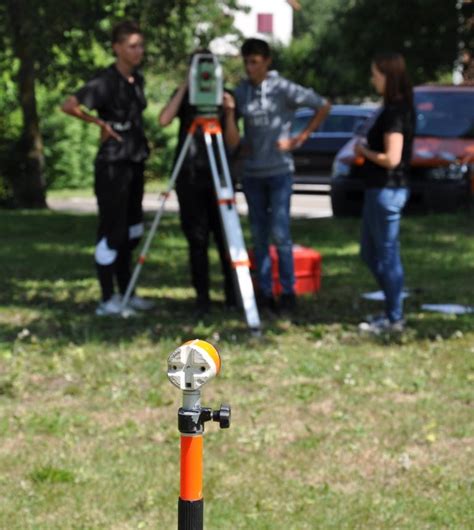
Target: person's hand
228, 102
360, 148
107, 132
288, 144
185, 84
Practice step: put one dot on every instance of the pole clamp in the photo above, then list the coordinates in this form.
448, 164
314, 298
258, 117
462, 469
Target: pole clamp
192, 421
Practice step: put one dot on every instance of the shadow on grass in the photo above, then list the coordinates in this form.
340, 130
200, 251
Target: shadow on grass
48, 282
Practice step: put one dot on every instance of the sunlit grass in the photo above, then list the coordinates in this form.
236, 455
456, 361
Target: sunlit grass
331, 430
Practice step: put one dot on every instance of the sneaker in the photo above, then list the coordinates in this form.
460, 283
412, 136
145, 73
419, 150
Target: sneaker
382, 325
113, 307
398, 326
375, 318
140, 304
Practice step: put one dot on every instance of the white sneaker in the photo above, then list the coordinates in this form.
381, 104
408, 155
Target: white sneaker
113, 307
375, 318
140, 304
382, 325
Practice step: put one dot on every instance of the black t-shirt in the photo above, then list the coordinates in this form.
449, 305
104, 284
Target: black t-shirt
196, 157
394, 117
196, 167
120, 104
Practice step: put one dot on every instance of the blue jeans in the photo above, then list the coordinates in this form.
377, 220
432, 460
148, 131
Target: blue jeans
268, 199
380, 246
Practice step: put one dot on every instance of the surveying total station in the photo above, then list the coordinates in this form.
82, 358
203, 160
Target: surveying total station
206, 94
190, 367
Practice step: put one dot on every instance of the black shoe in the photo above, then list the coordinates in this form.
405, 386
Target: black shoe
231, 303
203, 307
288, 302
230, 298
268, 304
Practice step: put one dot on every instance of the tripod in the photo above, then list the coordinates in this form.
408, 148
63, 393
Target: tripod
233, 236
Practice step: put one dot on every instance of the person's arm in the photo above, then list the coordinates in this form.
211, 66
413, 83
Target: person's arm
231, 133
73, 107
171, 109
288, 144
390, 157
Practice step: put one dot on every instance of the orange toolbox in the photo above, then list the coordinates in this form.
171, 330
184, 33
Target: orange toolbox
307, 264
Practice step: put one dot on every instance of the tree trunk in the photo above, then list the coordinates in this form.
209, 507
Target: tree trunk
28, 183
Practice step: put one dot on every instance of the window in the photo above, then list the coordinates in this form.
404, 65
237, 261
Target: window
445, 114
265, 23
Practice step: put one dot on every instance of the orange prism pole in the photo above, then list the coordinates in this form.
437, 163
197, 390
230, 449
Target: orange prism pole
191, 503
189, 367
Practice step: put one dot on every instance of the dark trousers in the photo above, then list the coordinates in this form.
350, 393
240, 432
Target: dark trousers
200, 217
119, 191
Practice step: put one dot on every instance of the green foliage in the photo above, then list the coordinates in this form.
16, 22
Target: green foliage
331, 51
69, 146
67, 45
425, 31
315, 18
336, 40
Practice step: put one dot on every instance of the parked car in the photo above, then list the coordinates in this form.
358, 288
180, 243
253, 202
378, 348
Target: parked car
314, 159
442, 166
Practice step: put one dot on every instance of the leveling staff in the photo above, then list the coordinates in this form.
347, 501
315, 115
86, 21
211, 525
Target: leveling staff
117, 94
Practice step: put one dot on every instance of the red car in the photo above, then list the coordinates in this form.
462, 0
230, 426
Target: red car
442, 167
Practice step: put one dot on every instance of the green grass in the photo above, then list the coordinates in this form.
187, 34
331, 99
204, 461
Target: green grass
331, 430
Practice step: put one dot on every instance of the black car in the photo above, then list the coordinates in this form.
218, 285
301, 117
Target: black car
314, 159
442, 165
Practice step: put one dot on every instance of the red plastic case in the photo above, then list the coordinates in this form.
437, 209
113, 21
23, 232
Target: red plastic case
307, 264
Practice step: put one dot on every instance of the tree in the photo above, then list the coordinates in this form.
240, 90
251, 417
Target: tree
340, 45
55, 47
35, 31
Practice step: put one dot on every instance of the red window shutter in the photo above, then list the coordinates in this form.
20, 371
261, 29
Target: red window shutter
265, 22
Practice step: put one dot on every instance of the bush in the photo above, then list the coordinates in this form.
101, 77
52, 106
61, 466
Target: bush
69, 149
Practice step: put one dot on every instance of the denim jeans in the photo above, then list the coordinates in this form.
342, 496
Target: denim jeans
268, 200
380, 246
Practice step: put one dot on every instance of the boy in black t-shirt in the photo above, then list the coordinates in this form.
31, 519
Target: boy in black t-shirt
116, 93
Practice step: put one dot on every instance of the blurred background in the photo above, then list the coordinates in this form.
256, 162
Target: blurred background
47, 52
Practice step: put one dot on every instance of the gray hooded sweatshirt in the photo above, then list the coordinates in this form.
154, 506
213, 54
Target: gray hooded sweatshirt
267, 110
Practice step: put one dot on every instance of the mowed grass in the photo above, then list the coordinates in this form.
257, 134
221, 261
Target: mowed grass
330, 429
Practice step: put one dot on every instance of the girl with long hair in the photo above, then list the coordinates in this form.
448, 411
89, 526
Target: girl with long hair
387, 155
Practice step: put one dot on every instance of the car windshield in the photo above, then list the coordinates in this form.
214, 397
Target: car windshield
445, 114
334, 123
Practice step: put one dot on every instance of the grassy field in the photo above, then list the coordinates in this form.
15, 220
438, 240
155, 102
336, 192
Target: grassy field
331, 430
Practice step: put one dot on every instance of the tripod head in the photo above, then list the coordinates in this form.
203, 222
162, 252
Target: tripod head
206, 86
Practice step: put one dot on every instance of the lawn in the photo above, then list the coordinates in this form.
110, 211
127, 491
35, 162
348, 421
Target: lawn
331, 429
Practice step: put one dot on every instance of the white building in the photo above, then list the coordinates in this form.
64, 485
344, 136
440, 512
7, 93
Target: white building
271, 20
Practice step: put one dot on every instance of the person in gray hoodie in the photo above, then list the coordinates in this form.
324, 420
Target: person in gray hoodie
267, 102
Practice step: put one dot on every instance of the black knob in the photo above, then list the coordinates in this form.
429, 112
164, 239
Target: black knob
222, 416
